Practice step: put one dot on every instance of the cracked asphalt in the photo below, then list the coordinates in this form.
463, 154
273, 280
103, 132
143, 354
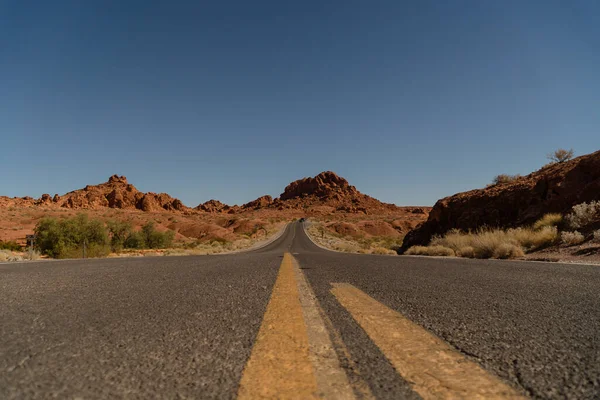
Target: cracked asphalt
183, 327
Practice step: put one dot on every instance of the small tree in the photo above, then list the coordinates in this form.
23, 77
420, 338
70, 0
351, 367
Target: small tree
560, 156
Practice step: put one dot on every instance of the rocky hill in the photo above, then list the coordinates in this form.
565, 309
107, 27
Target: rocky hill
554, 188
335, 193
115, 193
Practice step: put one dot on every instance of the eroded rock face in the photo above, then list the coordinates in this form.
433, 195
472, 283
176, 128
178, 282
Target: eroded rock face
554, 188
213, 206
261, 202
44, 200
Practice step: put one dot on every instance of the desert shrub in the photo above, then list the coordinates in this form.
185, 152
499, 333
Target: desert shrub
8, 256
439, 251
382, 250
596, 236
155, 239
467, 252
65, 238
417, 251
119, 232
504, 178
572, 238
10, 245
149, 238
31, 254
584, 214
552, 219
508, 250
486, 243
347, 247
560, 155
135, 240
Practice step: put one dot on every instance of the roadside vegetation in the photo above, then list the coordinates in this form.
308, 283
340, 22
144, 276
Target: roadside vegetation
219, 246
79, 236
319, 233
10, 245
550, 230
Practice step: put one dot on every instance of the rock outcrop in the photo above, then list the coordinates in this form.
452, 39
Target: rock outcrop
554, 188
117, 193
261, 202
333, 192
212, 206
326, 185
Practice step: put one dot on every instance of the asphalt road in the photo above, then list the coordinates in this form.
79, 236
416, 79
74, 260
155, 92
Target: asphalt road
184, 327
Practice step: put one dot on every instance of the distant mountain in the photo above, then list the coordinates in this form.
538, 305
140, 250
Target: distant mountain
327, 192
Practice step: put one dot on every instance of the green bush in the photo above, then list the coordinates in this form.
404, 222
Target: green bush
12, 246
149, 238
155, 239
119, 232
65, 238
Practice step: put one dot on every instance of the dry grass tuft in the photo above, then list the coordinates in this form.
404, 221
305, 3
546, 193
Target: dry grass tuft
436, 251
552, 219
467, 252
495, 243
596, 236
507, 251
532, 239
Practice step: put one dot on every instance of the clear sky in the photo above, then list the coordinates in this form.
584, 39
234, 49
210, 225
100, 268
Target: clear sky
410, 101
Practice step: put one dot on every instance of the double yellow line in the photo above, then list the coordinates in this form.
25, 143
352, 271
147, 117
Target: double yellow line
293, 356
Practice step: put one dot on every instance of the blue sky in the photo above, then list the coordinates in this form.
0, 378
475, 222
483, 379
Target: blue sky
410, 101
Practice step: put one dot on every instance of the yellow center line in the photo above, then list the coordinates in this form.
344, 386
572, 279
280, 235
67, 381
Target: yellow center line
434, 369
279, 365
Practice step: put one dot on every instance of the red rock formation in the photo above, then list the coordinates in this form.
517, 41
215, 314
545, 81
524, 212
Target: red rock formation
329, 189
212, 206
261, 202
325, 185
118, 193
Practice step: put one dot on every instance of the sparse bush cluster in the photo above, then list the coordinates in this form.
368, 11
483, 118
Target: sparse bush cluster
10, 245
66, 238
363, 245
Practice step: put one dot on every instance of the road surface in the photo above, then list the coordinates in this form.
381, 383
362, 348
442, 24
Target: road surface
293, 320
